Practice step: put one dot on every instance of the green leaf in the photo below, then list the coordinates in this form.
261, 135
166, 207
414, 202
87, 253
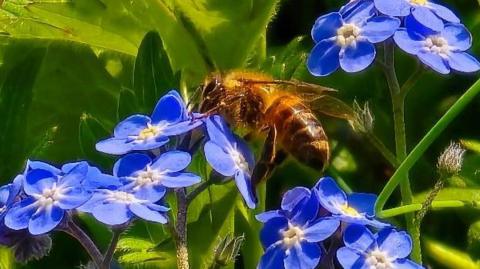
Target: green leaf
127, 104
153, 75
16, 95
286, 61
90, 131
139, 253
6, 258
449, 257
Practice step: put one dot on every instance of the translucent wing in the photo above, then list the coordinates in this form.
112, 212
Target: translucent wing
294, 85
331, 106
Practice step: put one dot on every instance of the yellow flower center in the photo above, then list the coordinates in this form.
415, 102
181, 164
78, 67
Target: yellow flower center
350, 211
419, 2
292, 236
347, 34
149, 132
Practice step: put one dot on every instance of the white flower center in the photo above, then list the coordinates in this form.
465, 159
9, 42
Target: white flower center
239, 160
49, 196
121, 197
348, 34
292, 236
378, 259
418, 2
3, 209
437, 45
150, 131
148, 177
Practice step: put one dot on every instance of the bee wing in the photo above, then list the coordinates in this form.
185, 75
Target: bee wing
293, 85
331, 106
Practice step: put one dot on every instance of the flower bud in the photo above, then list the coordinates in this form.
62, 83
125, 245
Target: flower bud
227, 250
363, 119
450, 161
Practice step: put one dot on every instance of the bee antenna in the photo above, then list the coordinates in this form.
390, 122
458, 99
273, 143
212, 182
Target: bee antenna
194, 97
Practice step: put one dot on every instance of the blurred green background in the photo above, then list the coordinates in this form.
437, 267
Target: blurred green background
67, 76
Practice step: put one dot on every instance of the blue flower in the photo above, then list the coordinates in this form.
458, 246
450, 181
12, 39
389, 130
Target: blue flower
353, 208
95, 178
443, 50
347, 39
8, 195
121, 205
386, 249
425, 12
149, 178
140, 132
48, 196
292, 238
230, 156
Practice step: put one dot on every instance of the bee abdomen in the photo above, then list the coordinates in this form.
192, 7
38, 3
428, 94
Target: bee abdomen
302, 135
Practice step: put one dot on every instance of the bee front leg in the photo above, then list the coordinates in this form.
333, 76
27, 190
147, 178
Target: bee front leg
267, 160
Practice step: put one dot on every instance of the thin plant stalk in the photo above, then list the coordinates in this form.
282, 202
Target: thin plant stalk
107, 259
181, 230
76, 232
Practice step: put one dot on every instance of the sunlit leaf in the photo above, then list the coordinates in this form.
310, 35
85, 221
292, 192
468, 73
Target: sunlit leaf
449, 256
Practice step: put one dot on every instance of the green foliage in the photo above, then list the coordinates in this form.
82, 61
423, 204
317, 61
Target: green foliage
6, 259
449, 257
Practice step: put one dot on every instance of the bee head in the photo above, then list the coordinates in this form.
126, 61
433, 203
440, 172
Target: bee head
211, 91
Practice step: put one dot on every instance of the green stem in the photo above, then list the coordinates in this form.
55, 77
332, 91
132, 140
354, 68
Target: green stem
412, 80
107, 259
76, 232
388, 213
199, 189
398, 104
386, 153
425, 143
181, 230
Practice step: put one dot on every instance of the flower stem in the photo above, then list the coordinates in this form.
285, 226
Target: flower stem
76, 232
181, 230
398, 104
386, 153
107, 258
199, 189
388, 213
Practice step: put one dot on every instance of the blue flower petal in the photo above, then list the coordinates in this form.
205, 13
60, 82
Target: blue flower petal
359, 57
406, 264
38, 180
115, 146
324, 58
42, 165
321, 229
218, 131
434, 61
130, 164
271, 231
305, 211
150, 144
363, 202
331, 196
444, 12
350, 258
396, 244
393, 7
457, 36
142, 211
243, 148
172, 161
268, 215
181, 127
219, 159
426, 17
132, 125
169, 108
293, 197
45, 220
18, 216
179, 180
303, 256
151, 193
379, 28
96, 199
362, 220
5, 194
244, 185
273, 258
74, 197
418, 29
75, 176
112, 213
359, 238
326, 26
359, 13
408, 42
463, 62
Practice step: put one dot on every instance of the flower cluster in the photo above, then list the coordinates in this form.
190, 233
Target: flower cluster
43, 197
310, 220
422, 28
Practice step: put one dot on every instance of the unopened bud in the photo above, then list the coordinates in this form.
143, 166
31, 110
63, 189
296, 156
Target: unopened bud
451, 160
227, 250
363, 119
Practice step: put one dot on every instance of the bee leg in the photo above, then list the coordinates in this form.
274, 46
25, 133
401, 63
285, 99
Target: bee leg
266, 163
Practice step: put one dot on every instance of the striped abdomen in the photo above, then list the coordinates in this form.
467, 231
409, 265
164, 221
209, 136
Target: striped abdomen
299, 132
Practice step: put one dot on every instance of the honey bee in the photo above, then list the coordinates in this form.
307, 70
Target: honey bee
284, 110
